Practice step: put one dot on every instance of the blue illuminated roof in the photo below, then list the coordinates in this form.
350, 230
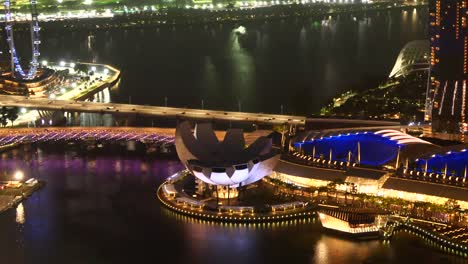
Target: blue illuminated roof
376, 148
453, 162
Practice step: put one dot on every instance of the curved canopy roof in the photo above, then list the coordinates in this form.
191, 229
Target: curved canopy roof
370, 147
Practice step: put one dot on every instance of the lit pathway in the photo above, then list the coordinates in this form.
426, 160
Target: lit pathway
153, 135
166, 136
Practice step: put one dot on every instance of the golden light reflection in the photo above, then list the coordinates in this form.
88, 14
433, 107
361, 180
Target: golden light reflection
20, 217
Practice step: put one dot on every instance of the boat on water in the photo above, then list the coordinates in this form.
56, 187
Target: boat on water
360, 223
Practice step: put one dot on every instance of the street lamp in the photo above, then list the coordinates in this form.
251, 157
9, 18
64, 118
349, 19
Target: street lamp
19, 175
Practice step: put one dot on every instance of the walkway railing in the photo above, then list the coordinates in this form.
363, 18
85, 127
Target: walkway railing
18, 136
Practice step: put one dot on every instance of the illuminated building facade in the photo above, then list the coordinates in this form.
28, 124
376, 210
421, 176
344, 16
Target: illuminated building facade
449, 57
352, 220
380, 162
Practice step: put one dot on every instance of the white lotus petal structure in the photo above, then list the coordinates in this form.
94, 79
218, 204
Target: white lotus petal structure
227, 162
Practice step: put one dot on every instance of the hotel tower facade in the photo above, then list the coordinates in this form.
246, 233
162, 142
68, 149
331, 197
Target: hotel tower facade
447, 93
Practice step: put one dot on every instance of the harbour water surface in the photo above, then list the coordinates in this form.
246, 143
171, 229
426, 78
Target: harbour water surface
103, 209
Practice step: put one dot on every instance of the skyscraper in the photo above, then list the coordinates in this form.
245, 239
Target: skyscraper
449, 42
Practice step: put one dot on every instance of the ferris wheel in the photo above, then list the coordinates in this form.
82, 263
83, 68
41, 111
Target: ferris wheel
17, 70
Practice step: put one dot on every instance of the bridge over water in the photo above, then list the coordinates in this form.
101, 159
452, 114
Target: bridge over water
144, 110
165, 136
32, 135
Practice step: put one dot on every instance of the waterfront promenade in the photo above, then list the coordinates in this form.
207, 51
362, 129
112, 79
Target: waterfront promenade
106, 77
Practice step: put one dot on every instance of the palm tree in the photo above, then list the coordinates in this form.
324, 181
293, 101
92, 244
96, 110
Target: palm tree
323, 189
3, 116
12, 114
79, 67
331, 187
337, 182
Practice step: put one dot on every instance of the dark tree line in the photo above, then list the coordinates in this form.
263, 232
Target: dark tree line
8, 113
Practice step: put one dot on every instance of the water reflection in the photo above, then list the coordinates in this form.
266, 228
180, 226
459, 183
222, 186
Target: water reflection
212, 63
243, 68
20, 217
92, 119
103, 209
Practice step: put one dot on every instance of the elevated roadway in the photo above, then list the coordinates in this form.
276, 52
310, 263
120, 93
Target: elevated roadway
144, 110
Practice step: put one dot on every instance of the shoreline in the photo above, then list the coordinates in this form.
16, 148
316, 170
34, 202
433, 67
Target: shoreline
11, 201
396, 224
173, 16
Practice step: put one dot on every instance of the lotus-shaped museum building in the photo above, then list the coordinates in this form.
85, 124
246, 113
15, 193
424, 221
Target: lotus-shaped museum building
224, 163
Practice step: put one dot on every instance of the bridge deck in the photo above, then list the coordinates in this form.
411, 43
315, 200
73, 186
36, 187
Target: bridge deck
144, 110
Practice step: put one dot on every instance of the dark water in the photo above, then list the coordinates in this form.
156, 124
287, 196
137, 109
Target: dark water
103, 209
300, 64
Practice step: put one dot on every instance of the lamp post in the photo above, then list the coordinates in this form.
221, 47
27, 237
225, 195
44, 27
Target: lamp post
359, 152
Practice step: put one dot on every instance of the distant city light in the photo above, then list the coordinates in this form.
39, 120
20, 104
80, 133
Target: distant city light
23, 110
72, 65
62, 64
93, 69
106, 71
44, 63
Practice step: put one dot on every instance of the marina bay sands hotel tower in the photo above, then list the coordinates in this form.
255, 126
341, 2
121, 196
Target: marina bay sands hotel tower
448, 32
